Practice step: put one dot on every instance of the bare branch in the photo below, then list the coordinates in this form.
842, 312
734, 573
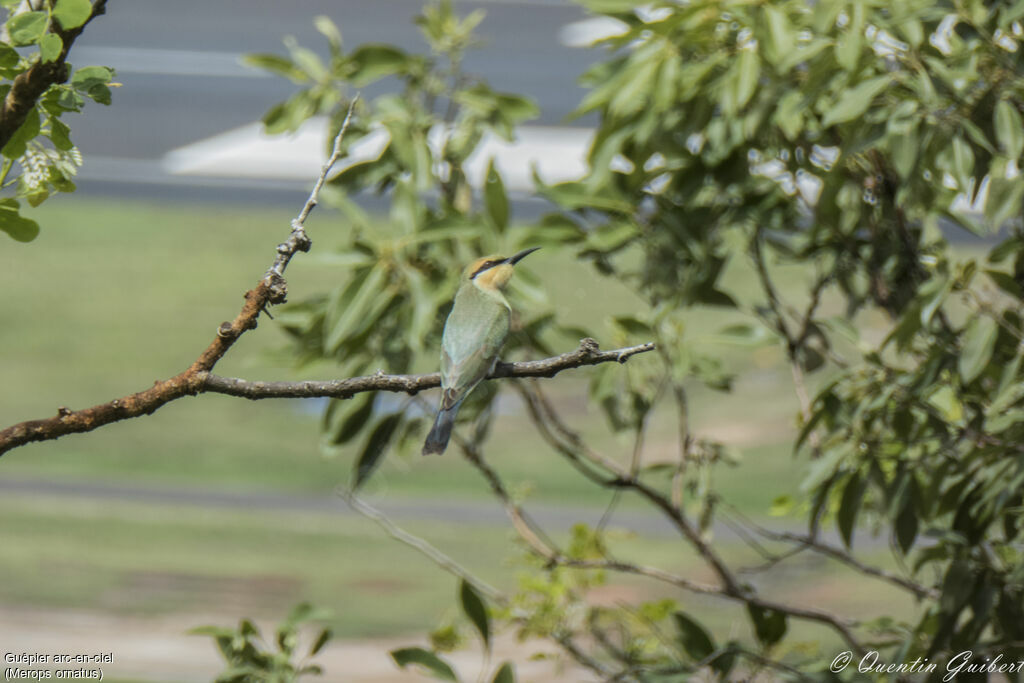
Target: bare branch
437, 556
588, 353
33, 83
271, 289
563, 639
198, 380
527, 529
571, 444
840, 555
298, 240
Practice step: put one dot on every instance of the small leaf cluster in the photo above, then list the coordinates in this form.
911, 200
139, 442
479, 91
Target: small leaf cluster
250, 659
39, 158
431, 663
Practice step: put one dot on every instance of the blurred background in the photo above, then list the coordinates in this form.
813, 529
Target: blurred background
214, 508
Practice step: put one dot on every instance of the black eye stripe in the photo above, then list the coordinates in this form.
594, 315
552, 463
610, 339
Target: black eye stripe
484, 266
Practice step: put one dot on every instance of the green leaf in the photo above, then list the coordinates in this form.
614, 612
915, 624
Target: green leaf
506, 674
979, 341
744, 334
212, 631
88, 76
355, 302
50, 47
301, 612
92, 80
934, 294
475, 609
72, 13
27, 28
1004, 200
725, 660
609, 6
28, 130
631, 325
9, 57
904, 148
946, 402
850, 47
375, 449
282, 66
495, 198
1006, 282
321, 640
433, 664
963, 162
346, 418
60, 135
575, 195
769, 625
14, 224
853, 103
749, 69
849, 506
905, 525
782, 41
328, 30
372, 61
247, 628
696, 641
1009, 130
306, 60
304, 612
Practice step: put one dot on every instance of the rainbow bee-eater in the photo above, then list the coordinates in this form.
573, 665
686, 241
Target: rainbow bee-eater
474, 333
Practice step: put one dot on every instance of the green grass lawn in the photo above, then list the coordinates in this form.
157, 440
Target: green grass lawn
142, 559
114, 296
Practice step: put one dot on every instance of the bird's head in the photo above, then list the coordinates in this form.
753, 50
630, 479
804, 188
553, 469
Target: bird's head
494, 272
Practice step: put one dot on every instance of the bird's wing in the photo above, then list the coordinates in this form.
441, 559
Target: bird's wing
466, 358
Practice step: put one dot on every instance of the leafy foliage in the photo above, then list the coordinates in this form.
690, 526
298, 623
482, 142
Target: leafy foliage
39, 159
431, 663
250, 659
858, 137
416, 146
854, 137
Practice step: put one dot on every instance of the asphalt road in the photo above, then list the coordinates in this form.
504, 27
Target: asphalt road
553, 518
182, 82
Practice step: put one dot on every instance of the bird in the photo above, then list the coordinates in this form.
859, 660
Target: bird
474, 333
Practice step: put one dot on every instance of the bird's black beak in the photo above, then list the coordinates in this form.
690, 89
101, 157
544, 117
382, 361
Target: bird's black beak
512, 260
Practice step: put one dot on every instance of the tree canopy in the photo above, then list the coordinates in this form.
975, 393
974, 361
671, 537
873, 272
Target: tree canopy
871, 147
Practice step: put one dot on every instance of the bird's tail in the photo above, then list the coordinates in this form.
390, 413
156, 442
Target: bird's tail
437, 439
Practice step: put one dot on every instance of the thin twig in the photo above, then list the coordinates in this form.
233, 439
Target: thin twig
446, 563
840, 555
588, 353
298, 240
529, 530
731, 588
437, 556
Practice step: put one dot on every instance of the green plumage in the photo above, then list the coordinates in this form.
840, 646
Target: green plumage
474, 333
